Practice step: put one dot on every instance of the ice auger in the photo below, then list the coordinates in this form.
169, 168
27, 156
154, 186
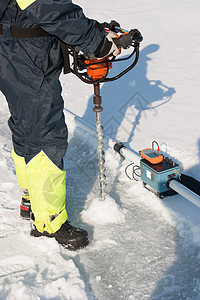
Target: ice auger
95, 71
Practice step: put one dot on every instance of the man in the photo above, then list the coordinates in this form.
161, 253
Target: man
31, 63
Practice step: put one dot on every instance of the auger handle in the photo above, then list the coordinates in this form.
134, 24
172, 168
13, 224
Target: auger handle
113, 60
134, 38
136, 52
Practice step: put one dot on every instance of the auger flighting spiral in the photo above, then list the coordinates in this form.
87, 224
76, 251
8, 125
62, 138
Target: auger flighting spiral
98, 109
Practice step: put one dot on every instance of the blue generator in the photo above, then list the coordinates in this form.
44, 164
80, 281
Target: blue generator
157, 176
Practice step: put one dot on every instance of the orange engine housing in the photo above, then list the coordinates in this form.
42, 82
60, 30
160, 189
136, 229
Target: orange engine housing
99, 70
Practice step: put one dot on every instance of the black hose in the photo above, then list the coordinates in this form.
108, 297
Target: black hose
190, 183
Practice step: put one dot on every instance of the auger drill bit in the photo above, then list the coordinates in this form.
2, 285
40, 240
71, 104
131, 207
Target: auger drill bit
98, 109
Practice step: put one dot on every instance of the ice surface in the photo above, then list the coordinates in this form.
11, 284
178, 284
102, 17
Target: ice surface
146, 256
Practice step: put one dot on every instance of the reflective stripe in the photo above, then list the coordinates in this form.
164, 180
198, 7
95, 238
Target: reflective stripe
24, 3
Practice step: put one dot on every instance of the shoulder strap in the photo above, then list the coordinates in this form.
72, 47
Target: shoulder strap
65, 54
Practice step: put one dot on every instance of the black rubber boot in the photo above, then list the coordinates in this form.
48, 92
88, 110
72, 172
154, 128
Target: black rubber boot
70, 237
25, 209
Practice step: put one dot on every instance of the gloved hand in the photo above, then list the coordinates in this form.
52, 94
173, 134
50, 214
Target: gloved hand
111, 26
111, 43
126, 40
136, 35
107, 46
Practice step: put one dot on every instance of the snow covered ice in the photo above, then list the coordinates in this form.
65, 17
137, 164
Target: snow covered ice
141, 247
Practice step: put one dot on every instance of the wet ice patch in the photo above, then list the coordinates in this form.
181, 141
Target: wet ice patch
103, 212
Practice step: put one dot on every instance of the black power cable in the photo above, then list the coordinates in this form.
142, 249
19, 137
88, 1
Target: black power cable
154, 142
134, 171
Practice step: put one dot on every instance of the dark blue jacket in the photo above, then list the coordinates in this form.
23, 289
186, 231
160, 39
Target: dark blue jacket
30, 70
60, 18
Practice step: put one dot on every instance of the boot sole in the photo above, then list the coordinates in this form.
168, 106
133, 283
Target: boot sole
74, 247
69, 246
